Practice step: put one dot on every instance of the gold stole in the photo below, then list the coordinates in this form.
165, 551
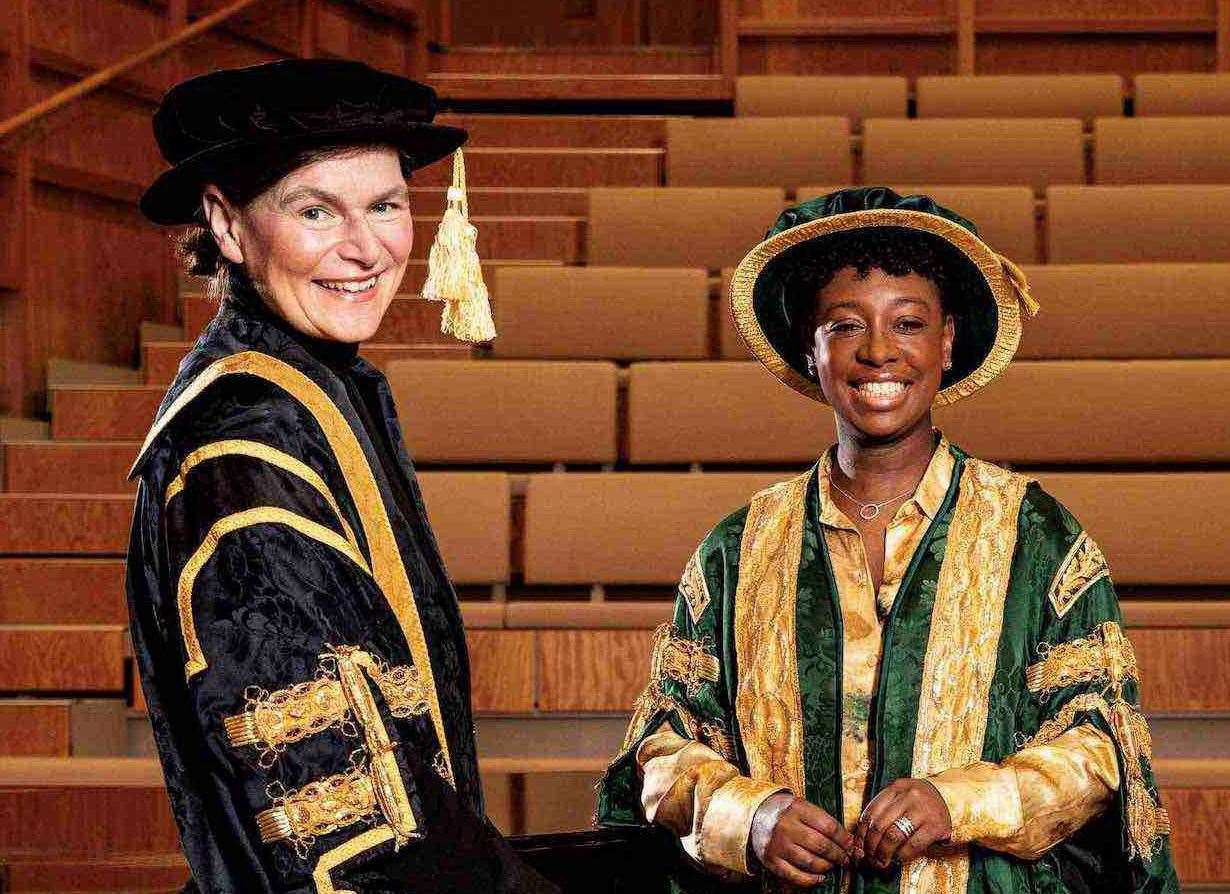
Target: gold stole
961, 655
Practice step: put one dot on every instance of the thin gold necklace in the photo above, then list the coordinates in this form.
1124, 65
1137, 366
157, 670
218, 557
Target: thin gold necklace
867, 511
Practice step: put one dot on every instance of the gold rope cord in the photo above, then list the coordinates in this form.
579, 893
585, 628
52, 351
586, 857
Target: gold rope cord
963, 645
767, 701
386, 564
260, 515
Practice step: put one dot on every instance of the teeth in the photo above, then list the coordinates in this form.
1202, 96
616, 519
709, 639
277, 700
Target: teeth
882, 389
349, 286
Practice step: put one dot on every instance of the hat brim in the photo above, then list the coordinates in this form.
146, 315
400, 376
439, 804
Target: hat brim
174, 198
748, 287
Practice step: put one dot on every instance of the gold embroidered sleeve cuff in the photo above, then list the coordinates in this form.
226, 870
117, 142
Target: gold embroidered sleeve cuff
983, 801
727, 824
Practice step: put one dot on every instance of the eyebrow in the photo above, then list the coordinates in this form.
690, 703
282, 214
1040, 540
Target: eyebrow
305, 192
853, 305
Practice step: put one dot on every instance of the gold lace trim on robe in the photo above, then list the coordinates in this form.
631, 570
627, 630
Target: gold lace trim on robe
1105, 657
1082, 567
318, 808
963, 647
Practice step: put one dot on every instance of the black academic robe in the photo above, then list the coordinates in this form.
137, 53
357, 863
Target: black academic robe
299, 643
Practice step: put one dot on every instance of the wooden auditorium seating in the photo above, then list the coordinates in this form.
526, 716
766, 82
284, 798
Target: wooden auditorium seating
560, 131
1162, 150
1034, 151
588, 528
1021, 96
1133, 224
553, 166
1037, 413
851, 96
709, 227
1182, 93
1004, 214
1128, 311
757, 151
461, 411
618, 313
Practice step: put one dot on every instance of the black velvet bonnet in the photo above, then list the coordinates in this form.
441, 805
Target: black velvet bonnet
257, 114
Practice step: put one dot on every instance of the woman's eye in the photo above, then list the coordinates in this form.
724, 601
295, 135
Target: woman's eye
382, 207
912, 325
315, 214
842, 328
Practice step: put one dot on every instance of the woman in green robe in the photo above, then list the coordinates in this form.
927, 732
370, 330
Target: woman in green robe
903, 670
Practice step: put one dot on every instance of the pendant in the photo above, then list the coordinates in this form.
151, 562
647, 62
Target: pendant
870, 511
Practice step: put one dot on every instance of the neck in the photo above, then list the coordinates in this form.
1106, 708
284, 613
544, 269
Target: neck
876, 469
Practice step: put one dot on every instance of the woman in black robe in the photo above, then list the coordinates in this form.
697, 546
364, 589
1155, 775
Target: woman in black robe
299, 642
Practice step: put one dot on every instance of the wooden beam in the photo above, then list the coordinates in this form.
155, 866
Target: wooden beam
728, 38
1111, 25
848, 26
309, 17
965, 37
1223, 35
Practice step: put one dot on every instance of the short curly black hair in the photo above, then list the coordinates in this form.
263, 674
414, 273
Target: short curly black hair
896, 251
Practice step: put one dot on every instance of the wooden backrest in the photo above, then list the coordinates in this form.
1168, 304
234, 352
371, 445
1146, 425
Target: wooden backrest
757, 151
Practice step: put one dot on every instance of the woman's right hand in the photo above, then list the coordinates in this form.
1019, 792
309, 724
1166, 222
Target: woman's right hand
806, 844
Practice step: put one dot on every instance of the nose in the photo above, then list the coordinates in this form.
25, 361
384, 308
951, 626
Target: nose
360, 244
879, 348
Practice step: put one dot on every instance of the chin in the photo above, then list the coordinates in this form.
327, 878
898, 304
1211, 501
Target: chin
348, 320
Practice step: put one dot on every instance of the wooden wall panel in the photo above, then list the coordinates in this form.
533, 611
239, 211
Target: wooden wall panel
274, 23
681, 22
99, 271
592, 670
9, 262
1183, 669
342, 29
1195, 813
223, 50
501, 670
1097, 10
546, 22
97, 33
108, 133
876, 55
1078, 53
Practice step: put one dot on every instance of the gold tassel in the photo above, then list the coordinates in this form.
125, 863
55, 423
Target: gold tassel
454, 274
1016, 276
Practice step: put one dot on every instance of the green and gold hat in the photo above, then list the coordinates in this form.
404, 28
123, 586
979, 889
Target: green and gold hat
765, 301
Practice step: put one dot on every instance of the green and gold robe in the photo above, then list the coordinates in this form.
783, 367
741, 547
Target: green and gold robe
1004, 666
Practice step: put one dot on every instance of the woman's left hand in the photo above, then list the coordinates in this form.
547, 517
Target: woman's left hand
879, 838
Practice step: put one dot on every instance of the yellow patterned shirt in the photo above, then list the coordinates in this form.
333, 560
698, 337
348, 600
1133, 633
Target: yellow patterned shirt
863, 610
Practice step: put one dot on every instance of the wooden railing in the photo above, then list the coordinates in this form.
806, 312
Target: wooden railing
106, 75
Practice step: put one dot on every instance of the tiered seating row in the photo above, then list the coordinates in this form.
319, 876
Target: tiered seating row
984, 96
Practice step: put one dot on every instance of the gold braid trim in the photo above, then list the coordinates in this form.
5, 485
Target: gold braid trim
275, 719
683, 661
1105, 656
318, 808
1082, 567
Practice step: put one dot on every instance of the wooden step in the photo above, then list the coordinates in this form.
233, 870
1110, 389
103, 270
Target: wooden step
103, 412
551, 167
62, 658
499, 201
526, 238
129, 873
62, 591
576, 131
589, 60
593, 88
79, 467
64, 524
35, 727
162, 359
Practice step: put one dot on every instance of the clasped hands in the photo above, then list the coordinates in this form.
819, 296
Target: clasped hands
806, 842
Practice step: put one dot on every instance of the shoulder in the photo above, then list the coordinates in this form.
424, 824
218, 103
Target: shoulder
1065, 554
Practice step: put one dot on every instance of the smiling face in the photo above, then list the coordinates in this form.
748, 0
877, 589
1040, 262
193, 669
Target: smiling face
327, 245
878, 346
